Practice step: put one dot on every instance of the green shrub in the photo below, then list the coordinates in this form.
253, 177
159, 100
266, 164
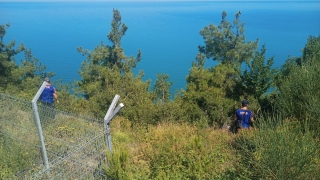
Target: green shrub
299, 87
286, 151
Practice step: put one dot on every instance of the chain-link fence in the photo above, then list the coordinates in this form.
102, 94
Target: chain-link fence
75, 145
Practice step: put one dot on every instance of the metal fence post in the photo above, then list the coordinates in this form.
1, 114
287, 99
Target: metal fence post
38, 123
108, 117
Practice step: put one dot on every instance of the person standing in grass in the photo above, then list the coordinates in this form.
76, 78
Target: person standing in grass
243, 116
47, 99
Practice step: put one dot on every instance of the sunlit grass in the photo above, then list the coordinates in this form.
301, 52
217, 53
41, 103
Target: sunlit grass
280, 150
171, 151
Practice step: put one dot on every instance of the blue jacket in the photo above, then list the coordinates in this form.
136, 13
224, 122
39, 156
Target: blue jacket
47, 94
243, 117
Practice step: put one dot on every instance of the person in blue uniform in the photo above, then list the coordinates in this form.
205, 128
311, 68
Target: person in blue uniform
243, 116
48, 97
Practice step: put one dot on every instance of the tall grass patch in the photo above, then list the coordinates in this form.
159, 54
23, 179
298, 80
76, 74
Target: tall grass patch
182, 151
285, 150
169, 151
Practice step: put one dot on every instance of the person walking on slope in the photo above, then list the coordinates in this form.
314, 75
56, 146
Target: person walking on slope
243, 116
47, 98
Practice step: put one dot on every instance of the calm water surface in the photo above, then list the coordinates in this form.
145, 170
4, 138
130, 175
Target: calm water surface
167, 33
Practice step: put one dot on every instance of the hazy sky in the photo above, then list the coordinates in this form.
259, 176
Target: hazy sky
129, 0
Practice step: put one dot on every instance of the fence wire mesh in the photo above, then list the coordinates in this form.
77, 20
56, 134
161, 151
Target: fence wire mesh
75, 145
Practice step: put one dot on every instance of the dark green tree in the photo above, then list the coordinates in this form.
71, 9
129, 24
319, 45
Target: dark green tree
113, 55
206, 93
24, 78
311, 51
226, 42
212, 92
108, 71
7, 61
28, 75
259, 77
161, 88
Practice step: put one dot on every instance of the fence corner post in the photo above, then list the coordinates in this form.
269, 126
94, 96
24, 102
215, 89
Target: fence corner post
112, 111
38, 123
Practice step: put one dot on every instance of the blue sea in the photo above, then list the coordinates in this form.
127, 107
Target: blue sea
167, 33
